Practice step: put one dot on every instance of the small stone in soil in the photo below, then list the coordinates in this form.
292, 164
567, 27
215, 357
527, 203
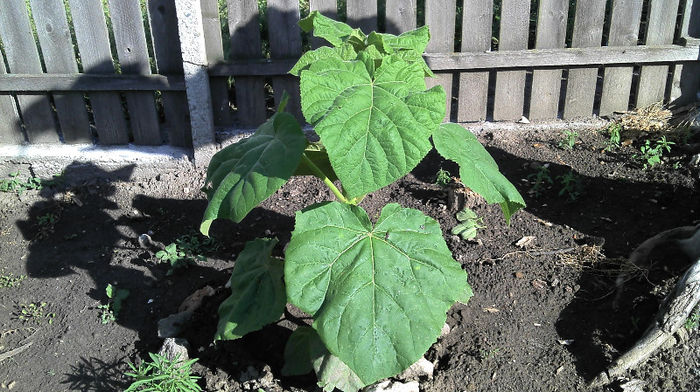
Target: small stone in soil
175, 348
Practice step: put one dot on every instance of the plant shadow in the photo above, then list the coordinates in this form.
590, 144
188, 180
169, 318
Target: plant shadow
95, 375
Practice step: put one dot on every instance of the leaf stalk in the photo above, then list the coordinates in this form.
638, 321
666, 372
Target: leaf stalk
320, 174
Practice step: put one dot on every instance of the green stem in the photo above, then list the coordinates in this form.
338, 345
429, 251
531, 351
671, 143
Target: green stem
320, 174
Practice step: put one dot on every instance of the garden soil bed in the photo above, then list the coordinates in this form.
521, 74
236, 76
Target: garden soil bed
546, 317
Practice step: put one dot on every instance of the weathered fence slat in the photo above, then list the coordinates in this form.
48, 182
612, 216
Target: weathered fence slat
476, 37
246, 44
440, 16
328, 8
57, 48
93, 43
686, 77
660, 29
476, 61
11, 125
362, 14
624, 31
130, 40
285, 42
215, 54
400, 16
588, 32
166, 48
23, 57
510, 85
546, 84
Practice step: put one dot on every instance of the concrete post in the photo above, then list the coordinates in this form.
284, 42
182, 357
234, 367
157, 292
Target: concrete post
194, 59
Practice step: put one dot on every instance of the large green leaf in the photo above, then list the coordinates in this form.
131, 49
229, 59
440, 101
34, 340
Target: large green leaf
375, 127
257, 296
332, 31
246, 173
378, 294
477, 169
297, 352
408, 46
305, 352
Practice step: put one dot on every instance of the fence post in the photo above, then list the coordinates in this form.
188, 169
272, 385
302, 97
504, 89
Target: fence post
194, 64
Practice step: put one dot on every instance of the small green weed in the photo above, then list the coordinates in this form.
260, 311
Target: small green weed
443, 178
110, 311
15, 185
11, 280
571, 185
35, 312
163, 374
177, 258
693, 321
651, 155
613, 132
488, 354
46, 220
568, 140
469, 224
539, 180
196, 246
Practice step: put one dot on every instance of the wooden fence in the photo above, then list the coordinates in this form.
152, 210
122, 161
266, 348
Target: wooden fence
110, 71
81, 72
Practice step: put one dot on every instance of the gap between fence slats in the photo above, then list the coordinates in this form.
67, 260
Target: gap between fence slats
245, 44
130, 40
23, 57
510, 85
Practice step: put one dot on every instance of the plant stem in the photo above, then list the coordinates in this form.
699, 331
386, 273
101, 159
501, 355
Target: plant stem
320, 174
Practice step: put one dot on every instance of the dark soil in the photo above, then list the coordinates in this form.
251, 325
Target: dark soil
544, 318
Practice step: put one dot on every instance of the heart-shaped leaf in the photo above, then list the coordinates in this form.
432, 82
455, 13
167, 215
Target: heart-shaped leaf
246, 173
378, 294
257, 296
477, 169
375, 124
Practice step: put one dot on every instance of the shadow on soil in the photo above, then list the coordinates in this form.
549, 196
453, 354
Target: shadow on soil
620, 214
95, 375
81, 240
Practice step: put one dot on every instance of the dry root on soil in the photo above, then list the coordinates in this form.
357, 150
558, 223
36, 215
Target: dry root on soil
674, 311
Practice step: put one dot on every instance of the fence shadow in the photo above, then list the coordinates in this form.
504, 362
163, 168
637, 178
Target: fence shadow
90, 234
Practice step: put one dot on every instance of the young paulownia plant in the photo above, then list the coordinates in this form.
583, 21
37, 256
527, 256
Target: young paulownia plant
378, 292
